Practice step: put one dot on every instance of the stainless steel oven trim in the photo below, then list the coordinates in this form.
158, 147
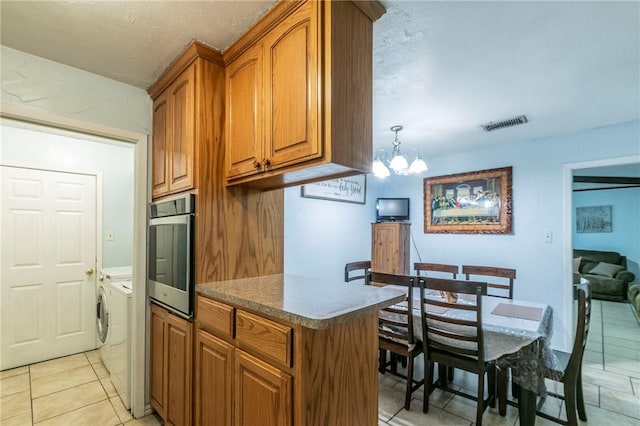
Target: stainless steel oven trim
172, 299
179, 301
170, 220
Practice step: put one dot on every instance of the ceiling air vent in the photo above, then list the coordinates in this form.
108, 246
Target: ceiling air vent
504, 123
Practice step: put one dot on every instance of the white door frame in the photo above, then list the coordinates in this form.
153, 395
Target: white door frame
568, 231
141, 198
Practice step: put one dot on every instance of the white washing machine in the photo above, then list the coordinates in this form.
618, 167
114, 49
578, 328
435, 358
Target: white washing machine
119, 341
103, 311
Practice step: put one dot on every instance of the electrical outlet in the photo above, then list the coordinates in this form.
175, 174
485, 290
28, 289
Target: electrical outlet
548, 237
109, 235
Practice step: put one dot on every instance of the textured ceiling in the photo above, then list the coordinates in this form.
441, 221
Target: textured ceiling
441, 69
444, 68
129, 41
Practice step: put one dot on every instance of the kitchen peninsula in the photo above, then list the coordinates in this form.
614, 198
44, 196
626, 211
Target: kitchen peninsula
277, 108
284, 349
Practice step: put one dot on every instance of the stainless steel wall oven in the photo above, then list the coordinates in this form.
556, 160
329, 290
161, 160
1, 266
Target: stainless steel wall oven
170, 269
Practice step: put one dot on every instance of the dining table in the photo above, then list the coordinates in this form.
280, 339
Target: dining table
516, 335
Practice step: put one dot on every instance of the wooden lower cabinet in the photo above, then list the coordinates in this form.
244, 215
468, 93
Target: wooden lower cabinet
213, 380
263, 393
170, 370
390, 247
157, 394
233, 387
269, 372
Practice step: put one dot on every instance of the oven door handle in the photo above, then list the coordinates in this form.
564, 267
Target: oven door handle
171, 220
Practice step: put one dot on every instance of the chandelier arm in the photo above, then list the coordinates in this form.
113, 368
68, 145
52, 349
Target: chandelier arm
398, 162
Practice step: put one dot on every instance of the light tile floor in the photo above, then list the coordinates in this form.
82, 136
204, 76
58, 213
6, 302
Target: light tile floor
76, 390
73, 390
611, 382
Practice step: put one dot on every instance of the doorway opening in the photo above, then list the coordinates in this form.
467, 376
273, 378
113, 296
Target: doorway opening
569, 171
139, 144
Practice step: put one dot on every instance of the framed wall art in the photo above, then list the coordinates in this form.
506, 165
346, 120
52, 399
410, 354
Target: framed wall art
593, 219
350, 189
469, 203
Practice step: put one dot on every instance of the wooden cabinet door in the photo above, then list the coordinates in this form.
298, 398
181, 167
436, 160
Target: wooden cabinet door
292, 75
262, 394
157, 383
178, 371
390, 248
159, 148
244, 114
214, 380
182, 142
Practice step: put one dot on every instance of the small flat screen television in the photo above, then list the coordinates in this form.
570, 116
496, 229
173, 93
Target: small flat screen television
392, 209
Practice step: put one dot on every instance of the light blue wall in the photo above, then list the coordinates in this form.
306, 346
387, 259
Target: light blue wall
625, 215
41, 84
321, 236
29, 145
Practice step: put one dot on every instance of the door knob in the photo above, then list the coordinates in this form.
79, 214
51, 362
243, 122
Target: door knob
89, 271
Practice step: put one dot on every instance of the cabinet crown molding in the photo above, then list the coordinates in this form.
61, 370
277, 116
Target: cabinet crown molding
195, 49
283, 8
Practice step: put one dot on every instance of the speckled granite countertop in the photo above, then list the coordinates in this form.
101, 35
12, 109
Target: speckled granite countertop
311, 302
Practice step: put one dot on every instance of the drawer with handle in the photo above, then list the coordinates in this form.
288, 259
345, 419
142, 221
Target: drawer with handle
215, 316
269, 338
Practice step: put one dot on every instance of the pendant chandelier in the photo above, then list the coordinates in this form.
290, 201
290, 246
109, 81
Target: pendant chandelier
398, 163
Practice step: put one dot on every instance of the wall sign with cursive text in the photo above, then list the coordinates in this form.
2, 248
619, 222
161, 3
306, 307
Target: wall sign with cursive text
350, 189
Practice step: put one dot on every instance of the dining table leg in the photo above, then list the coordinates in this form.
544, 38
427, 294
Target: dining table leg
527, 407
501, 391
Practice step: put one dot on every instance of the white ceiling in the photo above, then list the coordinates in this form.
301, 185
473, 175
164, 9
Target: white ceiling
441, 69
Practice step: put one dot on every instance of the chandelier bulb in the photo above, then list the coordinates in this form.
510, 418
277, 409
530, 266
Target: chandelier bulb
398, 162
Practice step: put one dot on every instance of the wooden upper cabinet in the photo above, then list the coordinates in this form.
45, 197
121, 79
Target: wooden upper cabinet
160, 182
174, 136
291, 89
313, 96
182, 143
244, 117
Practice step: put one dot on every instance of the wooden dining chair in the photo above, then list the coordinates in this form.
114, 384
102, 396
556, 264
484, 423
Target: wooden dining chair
455, 340
568, 371
359, 270
395, 331
439, 268
503, 289
436, 267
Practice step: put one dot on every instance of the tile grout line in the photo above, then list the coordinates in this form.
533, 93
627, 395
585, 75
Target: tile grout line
602, 340
65, 412
105, 391
633, 390
63, 390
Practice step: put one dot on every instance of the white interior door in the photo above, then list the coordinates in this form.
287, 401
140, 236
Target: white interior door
47, 249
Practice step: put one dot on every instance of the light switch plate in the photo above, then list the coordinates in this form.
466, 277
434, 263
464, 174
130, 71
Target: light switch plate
109, 235
548, 237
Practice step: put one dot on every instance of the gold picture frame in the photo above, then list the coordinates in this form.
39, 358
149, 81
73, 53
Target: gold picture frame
469, 203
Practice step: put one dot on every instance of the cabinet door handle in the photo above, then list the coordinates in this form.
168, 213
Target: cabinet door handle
266, 162
256, 164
